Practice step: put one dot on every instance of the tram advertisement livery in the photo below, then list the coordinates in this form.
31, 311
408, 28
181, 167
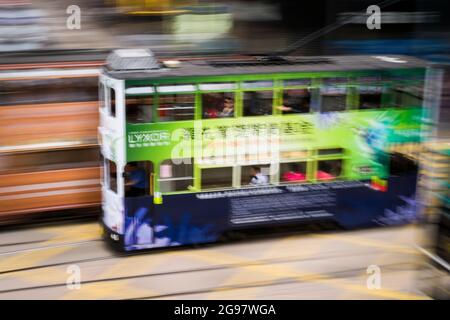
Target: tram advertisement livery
194, 156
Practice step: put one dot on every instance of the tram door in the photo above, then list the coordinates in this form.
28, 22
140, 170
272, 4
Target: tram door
139, 180
139, 190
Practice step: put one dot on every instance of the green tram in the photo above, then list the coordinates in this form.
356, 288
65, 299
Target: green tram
196, 148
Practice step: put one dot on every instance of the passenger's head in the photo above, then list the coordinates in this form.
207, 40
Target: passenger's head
254, 170
228, 103
132, 166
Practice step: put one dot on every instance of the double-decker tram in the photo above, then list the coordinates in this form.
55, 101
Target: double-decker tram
195, 149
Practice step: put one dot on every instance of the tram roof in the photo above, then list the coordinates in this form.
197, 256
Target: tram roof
285, 64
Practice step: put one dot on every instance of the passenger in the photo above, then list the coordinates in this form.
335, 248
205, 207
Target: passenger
135, 180
295, 104
257, 178
211, 113
228, 108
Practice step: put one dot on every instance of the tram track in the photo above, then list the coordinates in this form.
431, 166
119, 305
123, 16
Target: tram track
51, 246
187, 271
277, 282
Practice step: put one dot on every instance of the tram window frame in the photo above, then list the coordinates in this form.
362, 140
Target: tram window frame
304, 171
146, 111
112, 184
162, 180
175, 94
227, 185
215, 113
400, 92
245, 178
372, 90
147, 168
256, 91
284, 106
325, 94
335, 177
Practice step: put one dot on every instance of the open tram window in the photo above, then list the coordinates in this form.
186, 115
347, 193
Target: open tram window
213, 178
176, 175
139, 109
217, 105
370, 98
138, 178
329, 169
176, 107
112, 102
258, 103
407, 96
293, 172
333, 98
296, 101
400, 165
111, 170
255, 175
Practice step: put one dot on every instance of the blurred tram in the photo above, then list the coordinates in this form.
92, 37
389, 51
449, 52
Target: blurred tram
49, 158
196, 149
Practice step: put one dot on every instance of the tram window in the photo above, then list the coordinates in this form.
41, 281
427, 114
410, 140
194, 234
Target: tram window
258, 103
328, 169
293, 171
333, 99
369, 101
112, 176
176, 107
139, 109
217, 105
137, 178
176, 175
369, 98
256, 175
296, 101
112, 102
325, 152
217, 178
407, 97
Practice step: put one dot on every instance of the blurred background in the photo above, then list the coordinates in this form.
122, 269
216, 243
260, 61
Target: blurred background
51, 52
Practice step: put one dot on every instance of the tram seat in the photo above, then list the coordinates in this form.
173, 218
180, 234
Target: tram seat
322, 175
294, 176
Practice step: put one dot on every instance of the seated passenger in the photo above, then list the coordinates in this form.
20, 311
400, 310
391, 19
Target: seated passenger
257, 178
295, 104
210, 113
135, 180
228, 108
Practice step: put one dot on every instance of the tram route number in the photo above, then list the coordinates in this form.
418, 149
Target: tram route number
228, 309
